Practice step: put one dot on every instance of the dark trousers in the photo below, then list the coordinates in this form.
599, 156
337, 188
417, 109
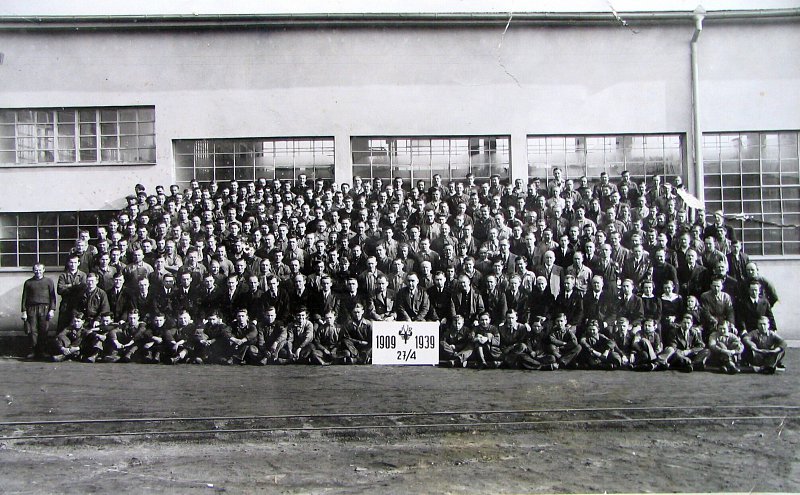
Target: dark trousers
36, 326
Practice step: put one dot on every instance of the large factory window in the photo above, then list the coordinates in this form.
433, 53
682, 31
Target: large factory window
249, 159
755, 177
54, 136
44, 237
643, 155
420, 158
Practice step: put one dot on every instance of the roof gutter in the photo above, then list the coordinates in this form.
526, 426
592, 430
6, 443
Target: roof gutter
221, 21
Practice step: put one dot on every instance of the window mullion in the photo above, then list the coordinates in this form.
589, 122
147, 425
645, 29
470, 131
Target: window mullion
119, 136
98, 136
16, 142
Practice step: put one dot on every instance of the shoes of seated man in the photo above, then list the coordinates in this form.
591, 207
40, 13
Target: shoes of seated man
58, 358
31, 356
730, 369
549, 367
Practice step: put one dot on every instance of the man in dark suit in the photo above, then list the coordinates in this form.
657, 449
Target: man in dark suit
384, 300
737, 261
570, 303
300, 297
440, 299
116, 297
412, 302
541, 303
713, 229
630, 305
564, 252
184, 297
637, 266
253, 299
324, 301
598, 304
352, 297
466, 302
752, 307
276, 296
663, 271
516, 296
230, 301
142, 299
552, 273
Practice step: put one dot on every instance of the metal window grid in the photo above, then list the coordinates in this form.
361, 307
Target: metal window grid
756, 174
44, 237
77, 135
420, 158
643, 155
249, 159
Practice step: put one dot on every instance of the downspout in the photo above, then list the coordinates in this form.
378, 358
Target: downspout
697, 133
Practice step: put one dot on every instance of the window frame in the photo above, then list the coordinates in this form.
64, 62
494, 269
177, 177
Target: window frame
62, 232
280, 149
582, 145
730, 190
144, 154
416, 145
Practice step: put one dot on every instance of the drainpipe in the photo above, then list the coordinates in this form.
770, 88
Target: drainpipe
697, 133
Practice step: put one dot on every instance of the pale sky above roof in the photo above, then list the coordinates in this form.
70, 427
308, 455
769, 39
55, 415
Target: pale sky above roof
228, 7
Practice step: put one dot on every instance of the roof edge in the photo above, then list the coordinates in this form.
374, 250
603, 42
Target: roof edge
201, 21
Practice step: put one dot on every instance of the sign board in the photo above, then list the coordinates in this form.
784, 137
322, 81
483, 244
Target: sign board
405, 343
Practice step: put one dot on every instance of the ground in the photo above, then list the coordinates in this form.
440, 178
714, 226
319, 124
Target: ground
315, 430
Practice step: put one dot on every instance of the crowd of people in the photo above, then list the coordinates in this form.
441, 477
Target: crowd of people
562, 274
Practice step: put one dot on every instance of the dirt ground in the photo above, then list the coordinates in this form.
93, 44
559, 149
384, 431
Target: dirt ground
643, 456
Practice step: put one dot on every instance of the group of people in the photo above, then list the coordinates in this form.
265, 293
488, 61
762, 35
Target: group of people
562, 274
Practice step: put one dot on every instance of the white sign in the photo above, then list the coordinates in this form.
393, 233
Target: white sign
405, 343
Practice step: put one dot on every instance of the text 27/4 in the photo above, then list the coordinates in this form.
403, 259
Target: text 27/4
406, 355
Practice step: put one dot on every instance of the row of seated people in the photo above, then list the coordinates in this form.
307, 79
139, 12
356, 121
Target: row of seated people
547, 344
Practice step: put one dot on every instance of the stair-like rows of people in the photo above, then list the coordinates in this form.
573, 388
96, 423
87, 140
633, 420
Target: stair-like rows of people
534, 276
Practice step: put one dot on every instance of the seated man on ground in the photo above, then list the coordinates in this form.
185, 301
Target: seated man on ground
486, 343
597, 350
646, 347
764, 348
560, 345
685, 349
726, 348
357, 339
67, 343
455, 343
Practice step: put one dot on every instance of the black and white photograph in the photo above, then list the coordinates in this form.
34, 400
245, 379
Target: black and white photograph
445, 246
